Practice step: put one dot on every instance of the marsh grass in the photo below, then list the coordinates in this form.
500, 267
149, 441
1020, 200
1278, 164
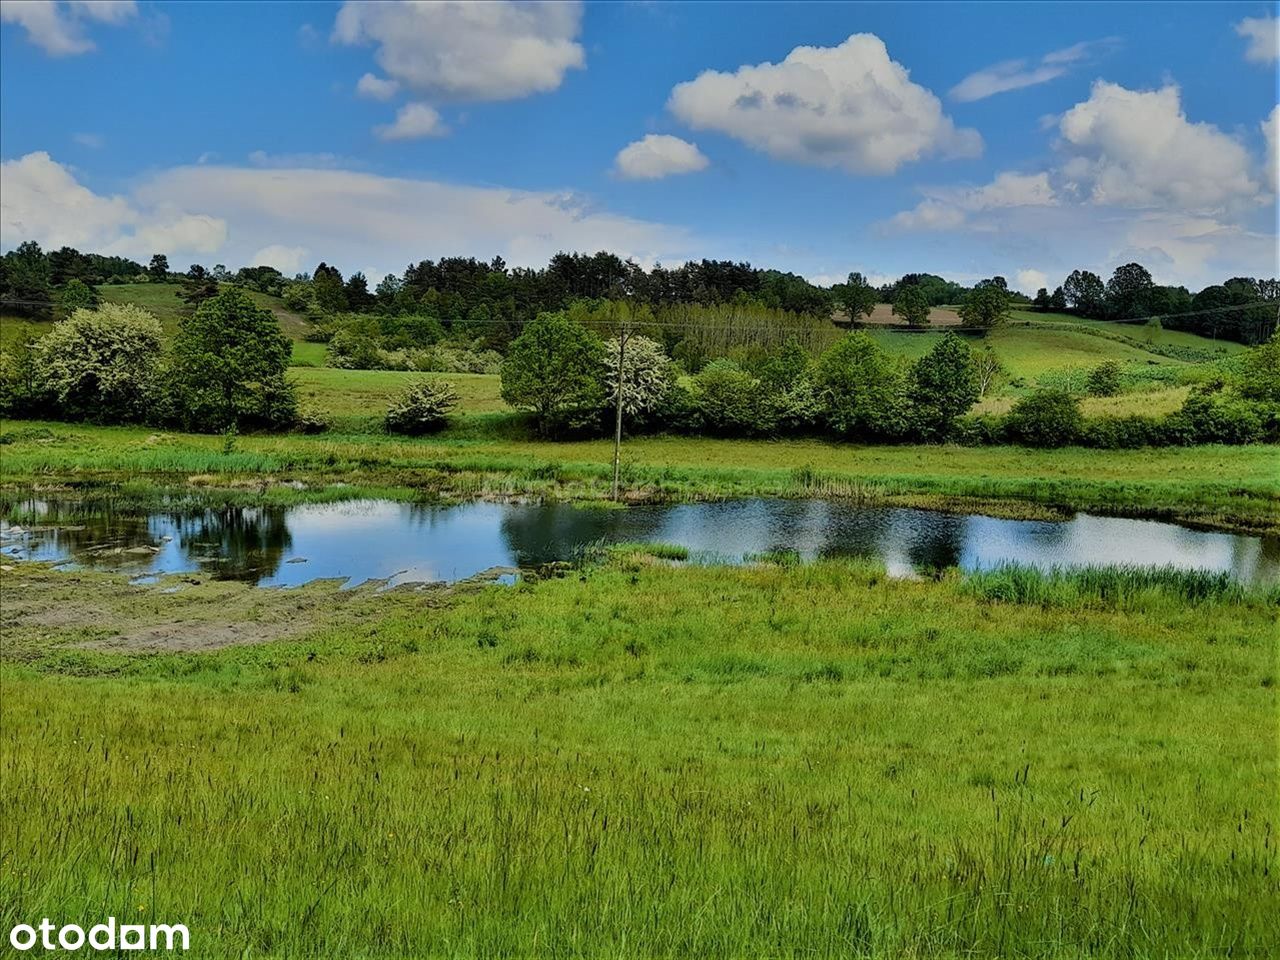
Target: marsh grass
1120, 587
649, 760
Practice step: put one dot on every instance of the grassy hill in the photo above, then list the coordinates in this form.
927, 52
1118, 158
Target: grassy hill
1036, 349
163, 300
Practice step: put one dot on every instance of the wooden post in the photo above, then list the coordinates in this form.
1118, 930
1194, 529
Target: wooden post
617, 427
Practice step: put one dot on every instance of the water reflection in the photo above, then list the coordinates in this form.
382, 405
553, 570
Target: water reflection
361, 540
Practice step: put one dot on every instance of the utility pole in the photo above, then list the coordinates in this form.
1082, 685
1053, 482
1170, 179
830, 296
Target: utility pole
617, 427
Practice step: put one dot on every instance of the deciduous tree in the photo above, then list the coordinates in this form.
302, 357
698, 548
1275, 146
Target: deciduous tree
912, 306
554, 367
856, 297
229, 364
944, 385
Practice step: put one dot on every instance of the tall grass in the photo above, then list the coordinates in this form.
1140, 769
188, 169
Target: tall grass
1123, 587
649, 760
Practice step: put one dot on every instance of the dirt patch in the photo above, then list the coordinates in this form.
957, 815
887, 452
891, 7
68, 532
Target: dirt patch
43, 608
197, 637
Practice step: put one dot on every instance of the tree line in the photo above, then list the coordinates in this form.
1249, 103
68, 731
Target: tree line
1243, 309
491, 302
226, 369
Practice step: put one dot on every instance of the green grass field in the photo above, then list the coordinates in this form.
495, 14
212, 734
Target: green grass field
367, 393
646, 760
1139, 332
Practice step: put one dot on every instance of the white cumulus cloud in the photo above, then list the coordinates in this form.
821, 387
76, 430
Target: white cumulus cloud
1016, 74
849, 107
413, 121
248, 215
58, 28
376, 88
1263, 36
945, 208
43, 201
1271, 133
658, 155
454, 50
1029, 281
1137, 148
288, 260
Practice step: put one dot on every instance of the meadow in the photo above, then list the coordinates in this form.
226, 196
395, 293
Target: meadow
819, 762
635, 756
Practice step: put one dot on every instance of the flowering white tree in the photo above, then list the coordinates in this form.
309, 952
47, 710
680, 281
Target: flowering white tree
647, 374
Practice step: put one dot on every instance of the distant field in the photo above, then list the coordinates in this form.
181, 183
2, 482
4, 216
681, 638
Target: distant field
1028, 352
163, 300
307, 354
1148, 403
1136, 331
938, 316
345, 393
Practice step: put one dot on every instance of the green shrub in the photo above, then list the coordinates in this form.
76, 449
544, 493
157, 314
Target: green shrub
1260, 371
728, 400
22, 390
101, 365
981, 430
1126, 433
1213, 414
791, 409
312, 421
423, 408
1104, 379
1045, 418
943, 386
78, 295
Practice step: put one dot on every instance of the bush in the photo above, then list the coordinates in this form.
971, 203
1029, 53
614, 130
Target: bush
791, 409
1127, 433
1104, 379
101, 365
1260, 371
1046, 418
312, 421
943, 386
354, 350
728, 400
423, 408
982, 430
678, 412
21, 387
1216, 415
77, 295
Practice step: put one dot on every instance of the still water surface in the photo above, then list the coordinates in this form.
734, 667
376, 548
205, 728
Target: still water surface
362, 540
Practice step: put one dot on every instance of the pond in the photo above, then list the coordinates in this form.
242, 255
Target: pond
361, 540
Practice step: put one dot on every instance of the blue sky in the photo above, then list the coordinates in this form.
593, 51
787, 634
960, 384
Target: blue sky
960, 139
